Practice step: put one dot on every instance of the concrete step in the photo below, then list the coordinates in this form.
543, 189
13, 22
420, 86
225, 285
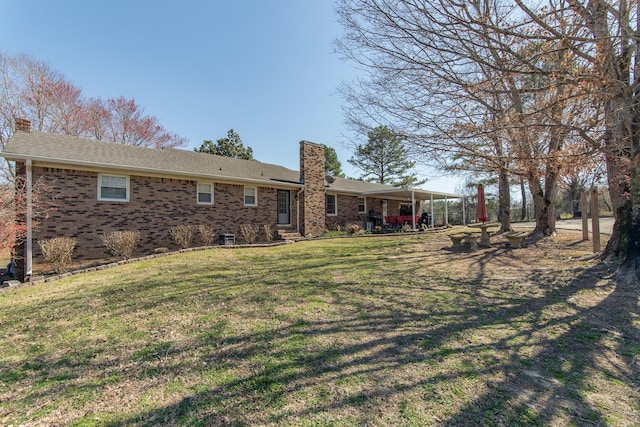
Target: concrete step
289, 235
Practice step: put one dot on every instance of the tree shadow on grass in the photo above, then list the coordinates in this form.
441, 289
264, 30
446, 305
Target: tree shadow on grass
554, 384
394, 354
546, 387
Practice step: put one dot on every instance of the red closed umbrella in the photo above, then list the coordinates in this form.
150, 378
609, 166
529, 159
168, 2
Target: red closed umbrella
481, 207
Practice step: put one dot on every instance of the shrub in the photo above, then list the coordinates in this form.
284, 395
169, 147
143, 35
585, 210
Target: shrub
269, 232
249, 232
122, 243
182, 235
205, 234
57, 252
354, 229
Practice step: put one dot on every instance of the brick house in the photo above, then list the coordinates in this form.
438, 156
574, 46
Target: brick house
98, 187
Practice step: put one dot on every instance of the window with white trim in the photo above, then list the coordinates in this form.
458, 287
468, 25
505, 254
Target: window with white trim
332, 204
205, 193
362, 205
113, 188
250, 196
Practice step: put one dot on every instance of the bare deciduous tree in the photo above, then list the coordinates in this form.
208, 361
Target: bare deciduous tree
553, 83
459, 86
609, 44
30, 88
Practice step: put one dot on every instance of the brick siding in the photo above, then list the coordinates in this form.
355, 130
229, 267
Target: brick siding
348, 211
313, 198
156, 205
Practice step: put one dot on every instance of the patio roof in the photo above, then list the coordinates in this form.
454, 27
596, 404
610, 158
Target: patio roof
412, 194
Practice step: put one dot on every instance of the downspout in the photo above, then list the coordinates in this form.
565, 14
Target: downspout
29, 223
298, 209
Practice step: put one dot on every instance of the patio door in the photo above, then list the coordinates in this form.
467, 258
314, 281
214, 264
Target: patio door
284, 207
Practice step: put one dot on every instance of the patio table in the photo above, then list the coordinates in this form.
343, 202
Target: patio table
485, 240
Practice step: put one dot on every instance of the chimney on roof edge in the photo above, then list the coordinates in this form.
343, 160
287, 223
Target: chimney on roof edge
23, 124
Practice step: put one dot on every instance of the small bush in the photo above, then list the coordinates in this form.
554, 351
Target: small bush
122, 243
58, 252
205, 234
249, 232
354, 229
183, 235
269, 232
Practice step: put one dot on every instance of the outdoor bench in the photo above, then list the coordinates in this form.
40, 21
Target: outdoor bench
456, 239
516, 238
471, 238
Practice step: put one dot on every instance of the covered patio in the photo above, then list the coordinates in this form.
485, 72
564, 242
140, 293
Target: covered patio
413, 195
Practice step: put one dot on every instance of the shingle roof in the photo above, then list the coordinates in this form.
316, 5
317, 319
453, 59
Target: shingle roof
356, 186
385, 191
74, 151
71, 150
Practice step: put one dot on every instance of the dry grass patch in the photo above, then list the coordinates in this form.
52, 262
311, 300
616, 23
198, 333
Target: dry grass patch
399, 330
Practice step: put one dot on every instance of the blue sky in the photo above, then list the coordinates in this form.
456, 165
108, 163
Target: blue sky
265, 68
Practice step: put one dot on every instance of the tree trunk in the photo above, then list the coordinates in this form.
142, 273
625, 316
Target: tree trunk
575, 190
630, 270
619, 119
619, 68
523, 194
621, 205
550, 191
504, 201
624, 242
543, 208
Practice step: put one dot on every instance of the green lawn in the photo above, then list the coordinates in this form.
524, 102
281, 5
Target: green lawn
350, 331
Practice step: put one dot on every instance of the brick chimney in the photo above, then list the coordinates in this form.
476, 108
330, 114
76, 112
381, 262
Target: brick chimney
313, 198
23, 124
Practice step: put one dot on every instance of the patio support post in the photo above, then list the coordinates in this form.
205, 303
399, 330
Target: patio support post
464, 214
413, 210
432, 218
446, 210
419, 196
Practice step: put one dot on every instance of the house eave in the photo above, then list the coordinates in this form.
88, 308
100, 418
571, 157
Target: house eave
96, 166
